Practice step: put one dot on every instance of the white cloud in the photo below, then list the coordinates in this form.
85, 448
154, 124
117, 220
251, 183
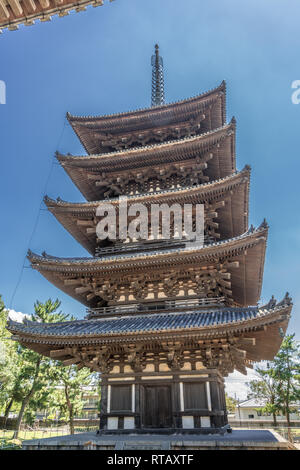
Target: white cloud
235, 384
17, 316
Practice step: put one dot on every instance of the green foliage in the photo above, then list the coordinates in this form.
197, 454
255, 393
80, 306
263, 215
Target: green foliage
286, 367
67, 397
8, 360
230, 403
36, 382
279, 385
29, 383
32, 376
47, 312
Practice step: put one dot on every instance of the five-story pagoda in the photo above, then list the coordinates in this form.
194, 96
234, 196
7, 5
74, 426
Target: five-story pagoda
167, 319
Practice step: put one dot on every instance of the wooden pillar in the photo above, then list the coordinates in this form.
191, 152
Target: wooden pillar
223, 403
103, 404
217, 421
177, 421
137, 416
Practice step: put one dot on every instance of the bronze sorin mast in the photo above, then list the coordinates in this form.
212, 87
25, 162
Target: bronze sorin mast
158, 92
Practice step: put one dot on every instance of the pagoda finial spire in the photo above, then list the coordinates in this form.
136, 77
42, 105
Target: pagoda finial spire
158, 93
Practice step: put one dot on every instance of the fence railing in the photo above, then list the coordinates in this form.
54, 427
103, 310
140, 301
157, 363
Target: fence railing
155, 307
146, 245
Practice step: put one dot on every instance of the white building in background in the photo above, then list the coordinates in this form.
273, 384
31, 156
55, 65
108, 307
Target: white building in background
252, 410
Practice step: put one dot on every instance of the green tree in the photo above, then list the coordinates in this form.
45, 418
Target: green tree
265, 389
4, 371
279, 384
230, 403
67, 398
8, 363
286, 368
32, 377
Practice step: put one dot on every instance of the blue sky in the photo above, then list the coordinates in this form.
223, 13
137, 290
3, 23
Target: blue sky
98, 62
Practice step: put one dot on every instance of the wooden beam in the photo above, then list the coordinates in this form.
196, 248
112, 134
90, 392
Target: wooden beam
94, 176
223, 283
239, 352
212, 215
201, 166
85, 223
71, 361
204, 178
240, 369
4, 9
16, 7
248, 341
226, 276
226, 291
249, 366
72, 282
60, 352
91, 296
31, 5
213, 224
232, 264
219, 204
82, 290
45, 3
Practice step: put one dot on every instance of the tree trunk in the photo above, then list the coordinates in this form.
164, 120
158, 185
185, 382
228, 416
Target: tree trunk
287, 414
8, 408
274, 412
70, 410
287, 404
20, 415
26, 399
71, 421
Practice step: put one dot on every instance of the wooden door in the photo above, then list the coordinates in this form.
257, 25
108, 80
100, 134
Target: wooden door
157, 406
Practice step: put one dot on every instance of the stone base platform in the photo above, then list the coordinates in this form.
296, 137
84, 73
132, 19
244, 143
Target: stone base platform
237, 440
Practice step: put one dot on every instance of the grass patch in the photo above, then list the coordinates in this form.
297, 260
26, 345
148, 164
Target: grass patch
6, 436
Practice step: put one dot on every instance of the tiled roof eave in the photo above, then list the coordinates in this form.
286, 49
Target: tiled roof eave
152, 110
45, 14
222, 248
145, 149
221, 185
278, 314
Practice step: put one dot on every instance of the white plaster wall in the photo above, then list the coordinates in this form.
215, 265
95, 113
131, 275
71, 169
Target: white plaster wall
112, 423
128, 422
188, 422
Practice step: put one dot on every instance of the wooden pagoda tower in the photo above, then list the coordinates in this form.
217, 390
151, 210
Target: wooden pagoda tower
166, 320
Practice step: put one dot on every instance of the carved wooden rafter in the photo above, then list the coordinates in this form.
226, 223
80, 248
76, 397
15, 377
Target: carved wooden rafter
144, 137
149, 179
224, 354
212, 281
15, 12
174, 354
135, 356
211, 226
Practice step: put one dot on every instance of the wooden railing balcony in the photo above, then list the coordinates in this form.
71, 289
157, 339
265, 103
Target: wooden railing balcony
145, 245
151, 307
